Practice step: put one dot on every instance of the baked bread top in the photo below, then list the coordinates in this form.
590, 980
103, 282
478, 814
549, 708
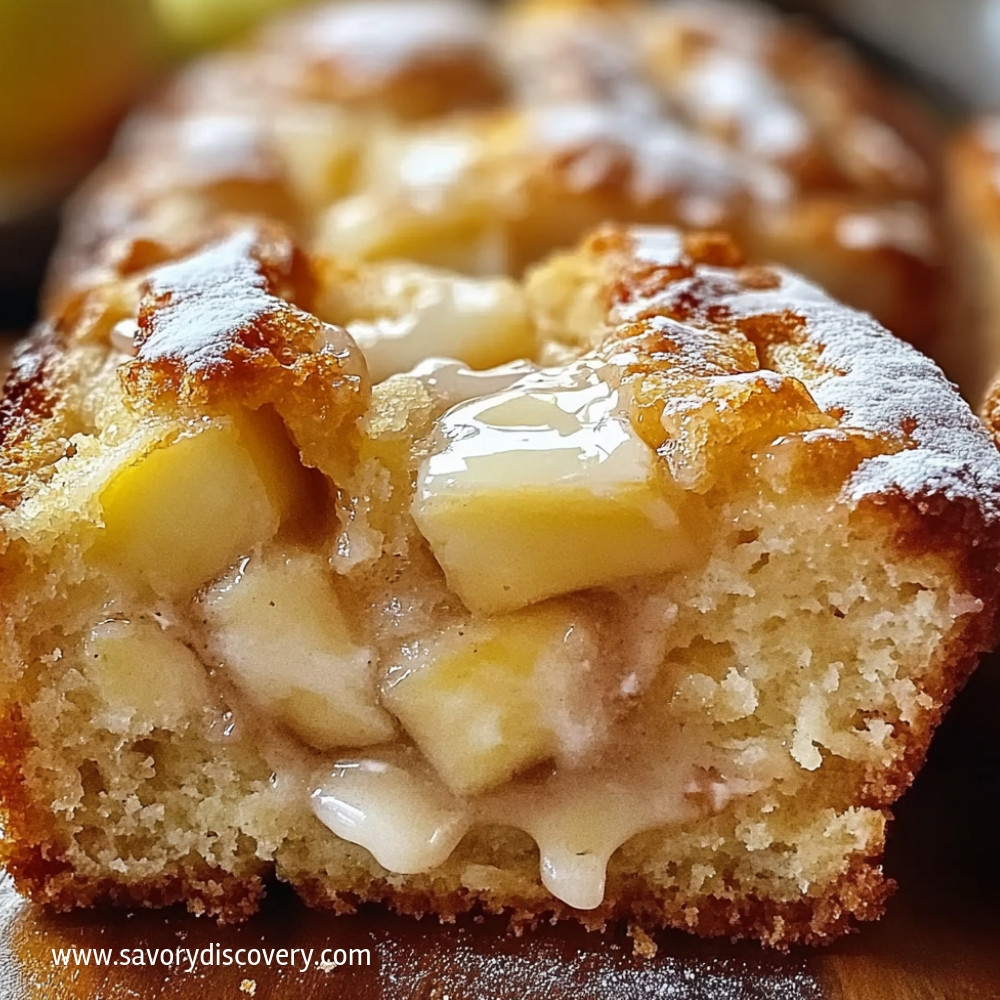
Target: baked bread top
483, 140
236, 325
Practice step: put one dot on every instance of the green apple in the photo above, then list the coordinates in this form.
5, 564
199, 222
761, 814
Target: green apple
68, 68
201, 23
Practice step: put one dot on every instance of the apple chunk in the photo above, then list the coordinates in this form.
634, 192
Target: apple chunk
278, 628
486, 700
143, 673
177, 516
400, 314
373, 225
544, 489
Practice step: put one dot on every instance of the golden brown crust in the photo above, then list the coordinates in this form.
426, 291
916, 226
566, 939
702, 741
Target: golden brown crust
229, 326
205, 892
32, 410
436, 60
686, 305
814, 163
212, 331
29, 394
859, 895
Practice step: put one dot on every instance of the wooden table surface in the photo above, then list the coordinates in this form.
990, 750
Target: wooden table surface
939, 941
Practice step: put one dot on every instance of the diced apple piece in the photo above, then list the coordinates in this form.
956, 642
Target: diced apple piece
144, 673
278, 628
318, 145
485, 701
376, 226
419, 199
513, 548
179, 515
544, 489
287, 481
483, 322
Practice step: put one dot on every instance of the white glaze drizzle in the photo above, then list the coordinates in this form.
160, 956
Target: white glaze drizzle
566, 424
393, 806
403, 817
454, 382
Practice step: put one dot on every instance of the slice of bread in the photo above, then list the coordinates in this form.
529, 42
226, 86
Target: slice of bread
656, 627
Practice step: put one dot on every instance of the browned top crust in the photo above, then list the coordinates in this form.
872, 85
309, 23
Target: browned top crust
712, 315
534, 124
229, 327
210, 326
427, 60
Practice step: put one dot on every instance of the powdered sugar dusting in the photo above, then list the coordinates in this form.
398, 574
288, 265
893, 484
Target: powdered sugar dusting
588, 58
666, 158
884, 385
199, 301
865, 376
730, 88
383, 37
586, 92
664, 247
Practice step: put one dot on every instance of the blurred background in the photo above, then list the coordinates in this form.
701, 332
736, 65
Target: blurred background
69, 69
953, 45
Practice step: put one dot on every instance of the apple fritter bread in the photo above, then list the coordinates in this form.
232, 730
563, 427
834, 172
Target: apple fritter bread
447, 134
652, 619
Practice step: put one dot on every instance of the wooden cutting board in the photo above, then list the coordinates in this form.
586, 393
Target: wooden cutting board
939, 941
